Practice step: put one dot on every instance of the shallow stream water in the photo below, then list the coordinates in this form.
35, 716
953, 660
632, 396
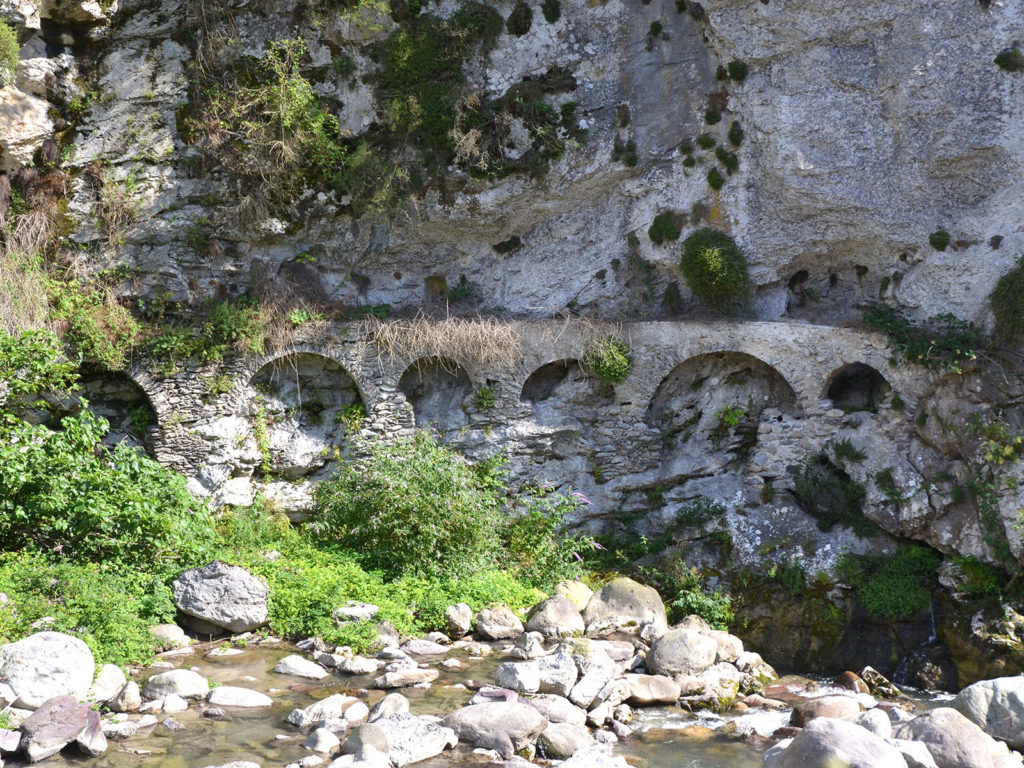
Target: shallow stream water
263, 736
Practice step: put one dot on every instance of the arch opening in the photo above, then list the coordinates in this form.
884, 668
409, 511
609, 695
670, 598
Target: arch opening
439, 390
560, 391
715, 401
123, 403
857, 387
304, 409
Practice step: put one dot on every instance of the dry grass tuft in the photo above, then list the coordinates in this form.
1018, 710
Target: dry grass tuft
482, 341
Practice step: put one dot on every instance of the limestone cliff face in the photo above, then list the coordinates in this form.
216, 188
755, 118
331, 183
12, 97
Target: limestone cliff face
866, 128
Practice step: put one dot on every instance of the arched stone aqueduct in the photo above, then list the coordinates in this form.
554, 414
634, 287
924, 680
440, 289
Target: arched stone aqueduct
808, 358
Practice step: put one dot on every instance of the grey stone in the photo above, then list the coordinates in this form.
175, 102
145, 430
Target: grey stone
333, 707
420, 647
403, 678
624, 605
458, 618
45, 665
55, 723
681, 652
596, 756
558, 709
645, 690
178, 682
411, 739
914, 752
128, 699
588, 686
520, 722
172, 725
498, 623
389, 705
170, 636
91, 740
300, 667
555, 617
108, 683
560, 740
357, 665
577, 592
522, 677
953, 740
364, 737
233, 696
826, 742
997, 707
876, 721
223, 595
322, 740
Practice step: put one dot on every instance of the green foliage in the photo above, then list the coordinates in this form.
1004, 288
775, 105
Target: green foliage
844, 450
8, 54
411, 506
939, 239
520, 20
715, 179
943, 342
106, 605
60, 493
727, 159
705, 141
885, 481
699, 511
608, 360
552, 10
736, 134
625, 152
1007, 301
694, 597
98, 325
663, 229
1011, 60
738, 70
656, 29
715, 270
791, 574
484, 398
240, 324
33, 363
712, 116
893, 586
536, 552
832, 496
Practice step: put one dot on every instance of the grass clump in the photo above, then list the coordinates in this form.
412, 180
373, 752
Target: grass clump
893, 586
95, 322
943, 342
608, 360
736, 134
715, 179
663, 229
712, 116
8, 54
738, 70
727, 159
1007, 302
715, 270
939, 239
552, 10
520, 20
1010, 60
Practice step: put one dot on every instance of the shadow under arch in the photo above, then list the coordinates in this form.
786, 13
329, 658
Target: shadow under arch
304, 407
122, 401
857, 387
438, 389
709, 394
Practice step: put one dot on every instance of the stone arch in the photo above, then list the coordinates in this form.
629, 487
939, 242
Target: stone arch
717, 399
857, 387
438, 389
119, 399
304, 407
560, 390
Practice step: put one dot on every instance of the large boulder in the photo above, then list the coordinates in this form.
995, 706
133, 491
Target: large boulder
224, 596
57, 722
953, 740
645, 690
45, 665
557, 709
681, 652
334, 707
623, 605
498, 623
108, 683
827, 743
300, 667
458, 619
24, 124
578, 592
560, 740
177, 682
519, 722
555, 617
996, 706
837, 706
233, 696
412, 739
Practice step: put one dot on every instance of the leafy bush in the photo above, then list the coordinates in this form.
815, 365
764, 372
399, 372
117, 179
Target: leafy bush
8, 54
98, 325
410, 506
939, 239
712, 116
727, 159
705, 141
943, 342
715, 270
552, 10
33, 363
701, 510
1011, 60
694, 597
738, 70
1007, 301
240, 324
60, 493
107, 606
663, 229
715, 179
608, 360
520, 20
893, 586
736, 134
536, 550
831, 495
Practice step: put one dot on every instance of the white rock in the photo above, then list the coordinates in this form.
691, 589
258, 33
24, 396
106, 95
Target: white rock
300, 667
180, 682
232, 696
46, 664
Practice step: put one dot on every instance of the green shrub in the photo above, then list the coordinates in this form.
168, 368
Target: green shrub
1007, 302
484, 398
536, 550
410, 506
705, 141
845, 450
656, 29
943, 342
736, 134
694, 597
689, 161
59, 493
738, 70
828, 493
728, 159
663, 229
98, 325
1011, 60
108, 606
712, 116
939, 239
33, 363
715, 179
893, 586
520, 20
715, 270
240, 324
552, 10
608, 360
8, 54
698, 511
